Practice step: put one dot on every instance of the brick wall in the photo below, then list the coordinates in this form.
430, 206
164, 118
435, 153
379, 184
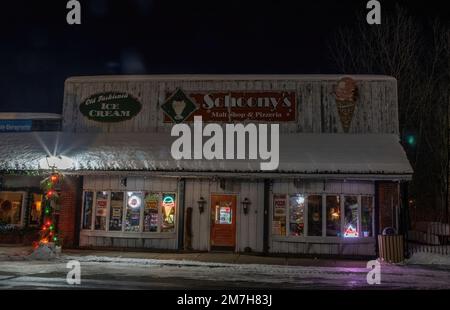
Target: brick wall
389, 200
70, 199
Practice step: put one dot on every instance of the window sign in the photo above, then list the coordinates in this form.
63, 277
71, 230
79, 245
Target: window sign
101, 206
224, 213
87, 209
151, 212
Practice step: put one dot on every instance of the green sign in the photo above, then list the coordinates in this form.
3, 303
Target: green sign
110, 107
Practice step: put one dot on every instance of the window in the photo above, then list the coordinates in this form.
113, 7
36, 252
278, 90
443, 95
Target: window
116, 212
36, 209
351, 221
11, 207
366, 216
101, 205
315, 215
168, 212
87, 209
333, 207
134, 205
151, 212
223, 214
279, 215
296, 215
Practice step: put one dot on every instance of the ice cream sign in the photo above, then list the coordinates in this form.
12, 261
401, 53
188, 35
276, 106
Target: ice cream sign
230, 106
110, 107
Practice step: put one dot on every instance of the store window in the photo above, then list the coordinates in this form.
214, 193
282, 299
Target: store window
151, 212
116, 212
333, 208
36, 209
315, 215
351, 222
88, 203
223, 214
11, 207
168, 206
366, 216
279, 215
133, 216
101, 205
296, 215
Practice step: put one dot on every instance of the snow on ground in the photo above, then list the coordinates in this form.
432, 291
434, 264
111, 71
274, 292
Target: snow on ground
424, 258
105, 271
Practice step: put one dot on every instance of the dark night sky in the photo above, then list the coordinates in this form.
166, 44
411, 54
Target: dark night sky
39, 50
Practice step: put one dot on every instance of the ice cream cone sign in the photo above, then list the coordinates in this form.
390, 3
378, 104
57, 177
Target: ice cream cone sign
346, 93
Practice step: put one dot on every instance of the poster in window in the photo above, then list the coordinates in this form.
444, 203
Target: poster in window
279, 215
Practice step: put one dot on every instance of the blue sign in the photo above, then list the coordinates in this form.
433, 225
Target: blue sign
15, 125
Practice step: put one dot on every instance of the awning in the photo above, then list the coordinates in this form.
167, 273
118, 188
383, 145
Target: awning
300, 154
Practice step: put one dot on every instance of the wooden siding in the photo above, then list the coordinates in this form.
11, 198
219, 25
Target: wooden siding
376, 109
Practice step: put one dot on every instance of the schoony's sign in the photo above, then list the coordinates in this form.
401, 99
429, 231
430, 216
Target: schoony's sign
110, 107
230, 106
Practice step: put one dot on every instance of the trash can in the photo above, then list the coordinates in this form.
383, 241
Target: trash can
390, 246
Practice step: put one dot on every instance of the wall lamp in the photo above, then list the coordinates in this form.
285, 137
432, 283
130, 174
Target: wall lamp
201, 204
246, 205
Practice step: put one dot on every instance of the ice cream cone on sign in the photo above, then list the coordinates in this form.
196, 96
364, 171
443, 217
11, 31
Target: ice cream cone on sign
346, 95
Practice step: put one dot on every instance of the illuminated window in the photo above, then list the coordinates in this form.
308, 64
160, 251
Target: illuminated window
168, 207
279, 215
315, 215
87, 209
134, 205
333, 207
224, 214
36, 209
351, 221
101, 205
366, 216
296, 215
116, 211
11, 207
151, 212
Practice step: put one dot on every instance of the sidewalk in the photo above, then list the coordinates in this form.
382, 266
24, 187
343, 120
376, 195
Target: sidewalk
16, 252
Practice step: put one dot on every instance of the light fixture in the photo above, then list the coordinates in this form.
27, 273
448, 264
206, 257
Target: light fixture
56, 162
246, 205
201, 204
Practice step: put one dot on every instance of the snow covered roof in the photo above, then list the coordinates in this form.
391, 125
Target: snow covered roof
233, 77
316, 154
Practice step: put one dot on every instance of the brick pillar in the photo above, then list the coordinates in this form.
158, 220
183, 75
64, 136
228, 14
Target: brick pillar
388, 204
70, 200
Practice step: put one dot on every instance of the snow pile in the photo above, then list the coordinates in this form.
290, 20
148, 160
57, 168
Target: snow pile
423, 258
44, 252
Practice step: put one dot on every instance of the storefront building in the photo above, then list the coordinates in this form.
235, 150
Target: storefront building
338, 183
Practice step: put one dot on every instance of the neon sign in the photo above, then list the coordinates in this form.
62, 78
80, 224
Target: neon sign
350, 232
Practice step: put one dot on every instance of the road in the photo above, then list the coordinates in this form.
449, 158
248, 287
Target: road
135, 273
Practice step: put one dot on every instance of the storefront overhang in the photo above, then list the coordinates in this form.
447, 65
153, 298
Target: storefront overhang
325, 156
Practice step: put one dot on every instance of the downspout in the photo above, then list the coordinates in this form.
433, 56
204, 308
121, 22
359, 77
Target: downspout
377, 216
267, 183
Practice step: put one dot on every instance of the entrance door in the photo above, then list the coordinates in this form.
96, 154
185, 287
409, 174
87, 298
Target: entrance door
223, 222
